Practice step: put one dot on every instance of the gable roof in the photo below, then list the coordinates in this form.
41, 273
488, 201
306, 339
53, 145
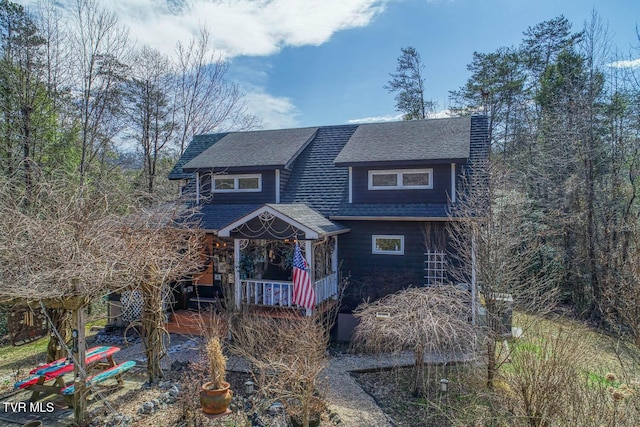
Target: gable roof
313, 224
253, 150
198, 144
407, 141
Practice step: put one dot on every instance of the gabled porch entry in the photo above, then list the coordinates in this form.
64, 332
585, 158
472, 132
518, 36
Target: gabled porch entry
263, 244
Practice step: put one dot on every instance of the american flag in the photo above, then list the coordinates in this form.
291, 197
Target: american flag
303, 293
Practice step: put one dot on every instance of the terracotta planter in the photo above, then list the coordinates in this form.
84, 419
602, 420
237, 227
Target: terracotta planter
215, 401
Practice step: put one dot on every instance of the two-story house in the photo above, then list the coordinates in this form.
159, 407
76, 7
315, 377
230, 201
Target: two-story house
369, 201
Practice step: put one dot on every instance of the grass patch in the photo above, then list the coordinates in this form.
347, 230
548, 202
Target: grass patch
559, 373
16, 361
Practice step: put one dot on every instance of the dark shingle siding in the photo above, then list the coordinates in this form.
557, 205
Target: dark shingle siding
479, 145
314, 179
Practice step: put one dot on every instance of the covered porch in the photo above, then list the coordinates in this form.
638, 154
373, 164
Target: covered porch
264, 241
250, 261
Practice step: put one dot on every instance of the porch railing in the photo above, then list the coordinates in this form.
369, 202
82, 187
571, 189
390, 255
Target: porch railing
279, 294
326, 288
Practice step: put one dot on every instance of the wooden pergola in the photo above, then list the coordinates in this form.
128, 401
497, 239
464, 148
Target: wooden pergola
67, 248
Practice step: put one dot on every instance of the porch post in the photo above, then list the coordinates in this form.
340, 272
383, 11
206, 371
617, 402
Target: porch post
334, 256
237, 286
308, 253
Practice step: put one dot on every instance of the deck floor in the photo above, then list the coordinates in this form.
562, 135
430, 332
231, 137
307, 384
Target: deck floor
194, 323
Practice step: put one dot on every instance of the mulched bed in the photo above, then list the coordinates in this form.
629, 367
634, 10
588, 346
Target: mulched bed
392, 391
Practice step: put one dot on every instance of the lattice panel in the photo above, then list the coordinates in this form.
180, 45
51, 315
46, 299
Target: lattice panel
132, 304
435, 267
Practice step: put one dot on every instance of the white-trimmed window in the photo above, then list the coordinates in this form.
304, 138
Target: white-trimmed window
404, 179
387, 244
235, 183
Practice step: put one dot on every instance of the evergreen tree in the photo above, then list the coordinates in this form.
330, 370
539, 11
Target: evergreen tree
408, 82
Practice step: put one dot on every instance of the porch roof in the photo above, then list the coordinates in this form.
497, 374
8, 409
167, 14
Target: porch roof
309, 222
214, 217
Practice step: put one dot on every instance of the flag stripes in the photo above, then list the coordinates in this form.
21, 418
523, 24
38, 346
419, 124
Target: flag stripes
303, 292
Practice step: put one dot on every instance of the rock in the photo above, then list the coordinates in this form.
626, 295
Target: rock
174, 391
276, 408
147, 408
179, 366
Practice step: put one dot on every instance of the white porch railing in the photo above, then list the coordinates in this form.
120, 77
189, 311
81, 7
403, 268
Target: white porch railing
326, 288
279, 294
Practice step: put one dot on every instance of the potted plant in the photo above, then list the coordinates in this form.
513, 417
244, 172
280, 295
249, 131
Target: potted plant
215, 395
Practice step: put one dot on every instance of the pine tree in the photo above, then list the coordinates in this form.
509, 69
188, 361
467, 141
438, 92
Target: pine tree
408, 82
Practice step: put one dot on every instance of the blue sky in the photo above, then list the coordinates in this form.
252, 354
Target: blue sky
320, 62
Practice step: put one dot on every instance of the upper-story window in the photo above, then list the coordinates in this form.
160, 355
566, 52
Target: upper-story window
232, 183
405, 179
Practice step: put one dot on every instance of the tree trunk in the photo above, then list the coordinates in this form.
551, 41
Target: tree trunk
152, 334
60, 319
491, 361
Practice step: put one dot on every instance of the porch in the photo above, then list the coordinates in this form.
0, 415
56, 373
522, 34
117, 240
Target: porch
269, 298
249, 264
265, 293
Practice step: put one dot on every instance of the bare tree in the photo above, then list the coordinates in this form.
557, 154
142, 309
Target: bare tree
151, 110
431, 321
500, 251
206, 100
72, 244
100, 46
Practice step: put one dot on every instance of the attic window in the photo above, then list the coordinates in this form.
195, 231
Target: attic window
237, 183
405, 179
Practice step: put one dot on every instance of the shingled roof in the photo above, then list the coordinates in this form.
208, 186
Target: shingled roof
198, 144
256, 149
314, 162
315, 180
408, 141
387, 210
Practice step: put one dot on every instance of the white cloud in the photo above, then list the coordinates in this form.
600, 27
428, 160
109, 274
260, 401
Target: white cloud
376, 119
274, 112
239, 27
394, 118
442, 114
628, 63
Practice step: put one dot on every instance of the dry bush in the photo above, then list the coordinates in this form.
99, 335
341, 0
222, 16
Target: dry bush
547, 383
431, 321
287, 356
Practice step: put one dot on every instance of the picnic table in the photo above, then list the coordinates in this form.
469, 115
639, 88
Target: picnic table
48, 379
